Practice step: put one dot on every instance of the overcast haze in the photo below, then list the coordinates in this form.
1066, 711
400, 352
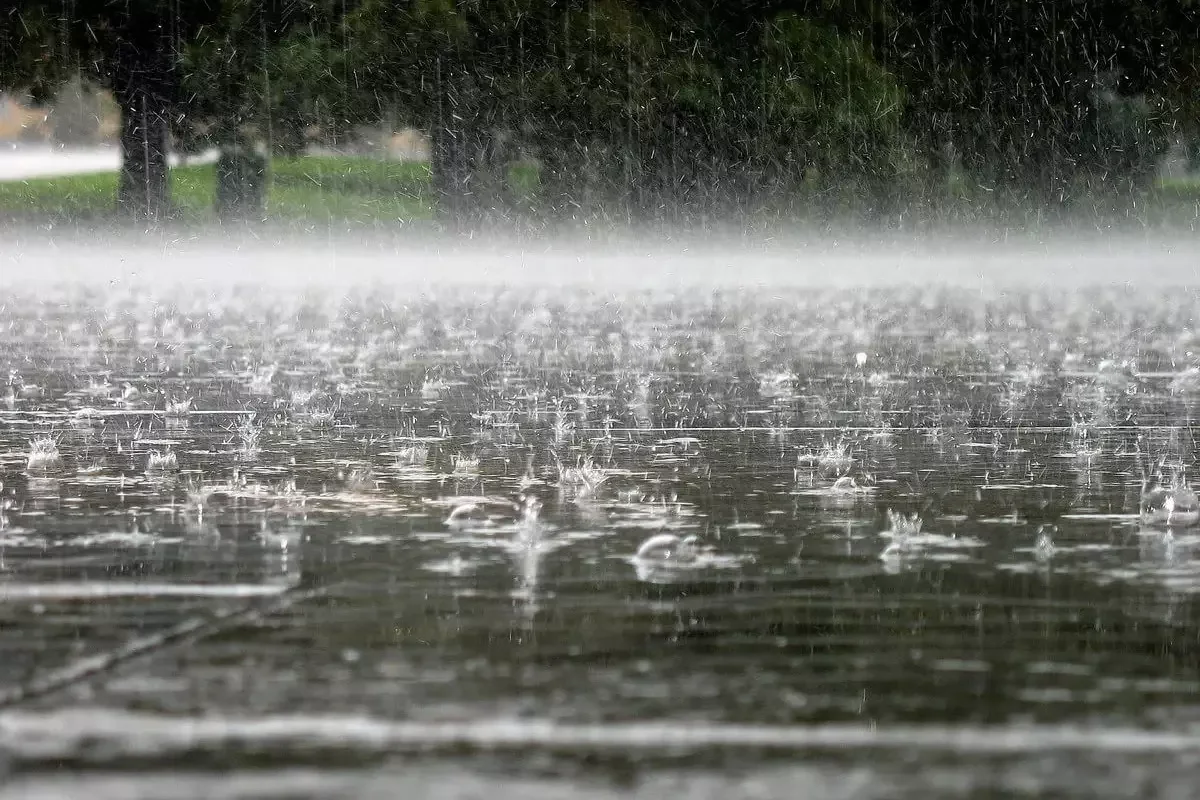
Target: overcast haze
1061, 262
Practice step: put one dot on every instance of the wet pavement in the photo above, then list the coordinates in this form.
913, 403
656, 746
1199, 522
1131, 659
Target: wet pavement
299, 542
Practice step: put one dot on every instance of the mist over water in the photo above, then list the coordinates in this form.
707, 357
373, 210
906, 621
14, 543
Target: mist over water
339, 259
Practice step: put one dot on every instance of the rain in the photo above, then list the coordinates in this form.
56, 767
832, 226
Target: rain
599, 398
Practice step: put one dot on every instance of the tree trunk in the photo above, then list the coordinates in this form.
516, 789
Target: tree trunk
241, 184
453, 149
143, 88
451, 162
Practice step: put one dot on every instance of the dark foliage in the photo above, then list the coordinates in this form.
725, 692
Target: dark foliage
679, 111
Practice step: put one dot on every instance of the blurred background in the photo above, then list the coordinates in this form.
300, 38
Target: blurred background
690, 113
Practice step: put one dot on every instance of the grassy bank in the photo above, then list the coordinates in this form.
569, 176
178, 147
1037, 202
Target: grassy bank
348, 192
310, 189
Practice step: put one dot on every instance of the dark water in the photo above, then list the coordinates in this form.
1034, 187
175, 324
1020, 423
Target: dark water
285, 610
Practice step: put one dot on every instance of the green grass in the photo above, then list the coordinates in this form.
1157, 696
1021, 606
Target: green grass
309, 189
348, 190
1179, 189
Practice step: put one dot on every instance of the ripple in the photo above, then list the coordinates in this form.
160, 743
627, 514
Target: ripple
70, 734
22, 592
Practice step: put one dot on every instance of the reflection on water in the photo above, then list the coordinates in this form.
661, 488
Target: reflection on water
887, 511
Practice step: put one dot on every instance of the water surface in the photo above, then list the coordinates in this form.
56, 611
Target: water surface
242, 556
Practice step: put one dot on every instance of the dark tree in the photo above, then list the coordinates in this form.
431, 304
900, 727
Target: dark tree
141, 53
133, 48
253, 84
1050, 98
428, 63
668, 110
263, 72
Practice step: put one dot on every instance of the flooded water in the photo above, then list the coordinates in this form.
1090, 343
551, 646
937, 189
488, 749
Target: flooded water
289, 541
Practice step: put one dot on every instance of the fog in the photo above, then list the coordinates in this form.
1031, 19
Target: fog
1068, 260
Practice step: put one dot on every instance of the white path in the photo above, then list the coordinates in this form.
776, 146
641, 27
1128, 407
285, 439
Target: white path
22, 162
